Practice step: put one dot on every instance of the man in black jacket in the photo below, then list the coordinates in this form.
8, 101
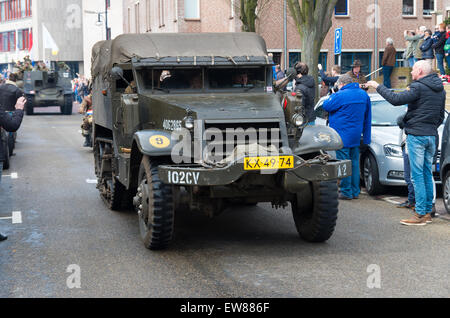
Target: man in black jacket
9, 94
426, 110
11, 123
438, 47
306, 86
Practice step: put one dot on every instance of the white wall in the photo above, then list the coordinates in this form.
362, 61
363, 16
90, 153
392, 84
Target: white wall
93, 33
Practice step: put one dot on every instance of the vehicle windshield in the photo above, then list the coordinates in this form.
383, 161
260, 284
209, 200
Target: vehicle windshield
386, 114
166, 81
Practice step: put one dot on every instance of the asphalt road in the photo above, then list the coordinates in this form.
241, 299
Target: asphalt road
245, 252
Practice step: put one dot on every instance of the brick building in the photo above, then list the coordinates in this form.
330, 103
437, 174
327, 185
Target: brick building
366, 24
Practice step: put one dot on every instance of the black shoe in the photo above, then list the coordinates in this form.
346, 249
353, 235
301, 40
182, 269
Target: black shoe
433, 211
343, 197
3, 237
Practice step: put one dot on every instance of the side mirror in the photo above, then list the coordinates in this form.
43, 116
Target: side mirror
117, 73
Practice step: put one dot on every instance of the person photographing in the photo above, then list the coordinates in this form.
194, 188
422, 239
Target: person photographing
11, 123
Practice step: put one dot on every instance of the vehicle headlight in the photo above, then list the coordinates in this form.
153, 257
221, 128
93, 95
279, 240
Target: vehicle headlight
298, 120
393, 151
189, 123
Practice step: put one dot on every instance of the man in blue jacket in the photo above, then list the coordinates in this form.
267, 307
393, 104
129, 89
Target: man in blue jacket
427, 48
350, 114
426, 110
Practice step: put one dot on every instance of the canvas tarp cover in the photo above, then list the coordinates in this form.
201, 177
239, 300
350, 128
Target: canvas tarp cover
160, 45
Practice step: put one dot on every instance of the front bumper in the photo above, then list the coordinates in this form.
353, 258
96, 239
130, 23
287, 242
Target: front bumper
196, 175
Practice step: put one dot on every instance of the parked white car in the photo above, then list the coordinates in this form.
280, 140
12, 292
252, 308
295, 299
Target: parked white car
381, 162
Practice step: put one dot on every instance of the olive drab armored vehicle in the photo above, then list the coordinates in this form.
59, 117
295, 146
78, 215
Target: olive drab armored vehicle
46, 89
193, 122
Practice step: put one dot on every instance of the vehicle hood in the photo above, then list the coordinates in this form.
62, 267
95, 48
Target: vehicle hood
391, 135
224, 106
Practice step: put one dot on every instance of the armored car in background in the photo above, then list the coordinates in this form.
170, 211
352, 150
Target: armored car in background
192, 121
47, 89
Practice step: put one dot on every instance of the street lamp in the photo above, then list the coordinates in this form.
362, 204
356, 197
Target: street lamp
99, 14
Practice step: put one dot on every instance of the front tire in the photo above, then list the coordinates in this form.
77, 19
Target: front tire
446, 190
371, 176
6, 159
155, 207
29, 106
67, 108
315, 211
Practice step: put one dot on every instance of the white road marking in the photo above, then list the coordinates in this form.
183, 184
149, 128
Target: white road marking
16, 217
13, 175
91, 181
391, 200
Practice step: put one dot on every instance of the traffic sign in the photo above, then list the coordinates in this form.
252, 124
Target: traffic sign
338, 41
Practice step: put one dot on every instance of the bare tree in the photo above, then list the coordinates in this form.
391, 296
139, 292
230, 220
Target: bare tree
313, 20
250, 11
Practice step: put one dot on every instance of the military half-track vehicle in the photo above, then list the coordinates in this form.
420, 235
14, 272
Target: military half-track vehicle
46, 89
193, 122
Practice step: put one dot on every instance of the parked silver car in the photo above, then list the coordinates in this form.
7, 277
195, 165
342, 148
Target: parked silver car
381, 162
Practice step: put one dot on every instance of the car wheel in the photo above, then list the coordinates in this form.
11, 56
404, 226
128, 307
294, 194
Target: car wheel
315, 211
154, 202
371, 176
446, 190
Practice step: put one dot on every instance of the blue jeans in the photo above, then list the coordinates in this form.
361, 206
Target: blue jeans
407, 176
411, 61
440, 63
421, 151
350, 185
387, 71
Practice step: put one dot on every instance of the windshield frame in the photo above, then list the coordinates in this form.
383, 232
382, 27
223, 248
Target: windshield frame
205, 78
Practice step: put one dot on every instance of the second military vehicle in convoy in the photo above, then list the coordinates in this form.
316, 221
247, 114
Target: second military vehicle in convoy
193, 122
46, 89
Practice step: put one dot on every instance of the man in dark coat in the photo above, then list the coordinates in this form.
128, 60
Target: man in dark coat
438, 47
306, 86
426, 110
9, 94
388, 62
427, 48
10, 122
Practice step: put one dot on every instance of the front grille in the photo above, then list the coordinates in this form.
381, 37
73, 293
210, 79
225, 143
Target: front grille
223, 138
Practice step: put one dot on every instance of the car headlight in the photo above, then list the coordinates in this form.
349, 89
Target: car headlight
189, 123
298, 120
393, 151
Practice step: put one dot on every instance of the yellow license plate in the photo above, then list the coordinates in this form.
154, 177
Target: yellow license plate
269, 163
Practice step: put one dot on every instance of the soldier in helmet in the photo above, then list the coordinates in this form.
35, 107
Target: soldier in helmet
63, 66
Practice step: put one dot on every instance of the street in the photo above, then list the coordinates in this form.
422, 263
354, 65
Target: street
245, 252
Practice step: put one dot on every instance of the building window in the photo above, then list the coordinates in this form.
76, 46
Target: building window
14, 9
348, 58
295, 57
429, 6
136, 17
409, 7
341, 7
191, 9
147, 16
129, 20
161, 13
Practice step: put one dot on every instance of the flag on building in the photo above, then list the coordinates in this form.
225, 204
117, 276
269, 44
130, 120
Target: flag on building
49, 42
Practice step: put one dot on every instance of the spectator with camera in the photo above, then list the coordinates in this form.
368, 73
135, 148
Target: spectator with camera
10, 122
